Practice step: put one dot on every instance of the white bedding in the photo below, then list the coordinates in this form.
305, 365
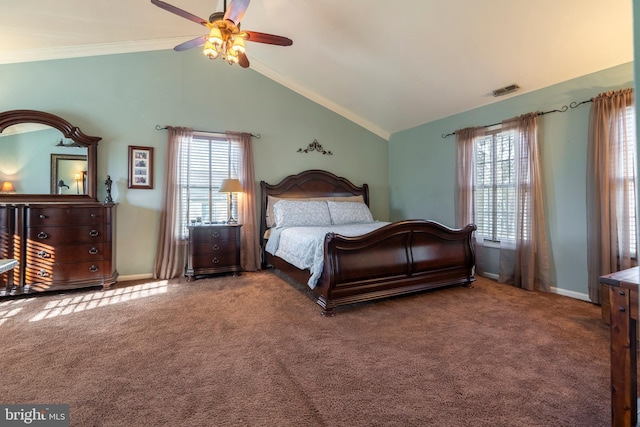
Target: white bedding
304, 246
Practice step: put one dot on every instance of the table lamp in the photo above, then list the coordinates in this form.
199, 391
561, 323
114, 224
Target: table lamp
7, 187
231, 185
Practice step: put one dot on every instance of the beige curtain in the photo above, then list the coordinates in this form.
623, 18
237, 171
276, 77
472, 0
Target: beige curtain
465, 174
247, 207
171, 250
465, 164
608, 197
531, 269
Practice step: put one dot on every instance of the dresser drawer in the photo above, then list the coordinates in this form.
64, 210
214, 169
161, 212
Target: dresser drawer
217, 260
46, 235
4, 216
64, 216
210, 234
49, 275
6, 243
45, 254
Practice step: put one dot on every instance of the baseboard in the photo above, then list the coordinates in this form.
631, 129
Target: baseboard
572, 294
135, 277
554, 290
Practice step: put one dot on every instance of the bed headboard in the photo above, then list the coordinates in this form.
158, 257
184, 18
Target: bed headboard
308, 184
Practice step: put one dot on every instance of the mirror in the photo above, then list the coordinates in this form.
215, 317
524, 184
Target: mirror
40, 150
68, 174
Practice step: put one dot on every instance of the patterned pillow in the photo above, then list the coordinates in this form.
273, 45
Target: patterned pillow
289, 213
349, 213
271, 201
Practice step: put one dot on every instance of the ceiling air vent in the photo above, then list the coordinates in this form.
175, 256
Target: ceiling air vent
505, 90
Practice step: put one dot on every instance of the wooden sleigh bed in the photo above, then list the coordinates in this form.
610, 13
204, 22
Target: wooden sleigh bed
400, 258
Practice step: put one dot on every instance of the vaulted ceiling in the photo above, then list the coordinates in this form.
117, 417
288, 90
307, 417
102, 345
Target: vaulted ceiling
385, 65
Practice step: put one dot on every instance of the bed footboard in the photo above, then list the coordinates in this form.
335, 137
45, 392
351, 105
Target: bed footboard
400, 258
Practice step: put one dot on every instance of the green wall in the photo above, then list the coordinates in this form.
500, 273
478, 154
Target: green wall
421, 166
123, 97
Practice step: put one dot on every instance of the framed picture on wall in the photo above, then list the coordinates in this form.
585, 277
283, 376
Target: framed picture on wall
140, 167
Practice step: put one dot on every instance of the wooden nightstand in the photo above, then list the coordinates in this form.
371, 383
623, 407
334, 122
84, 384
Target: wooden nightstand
213, 249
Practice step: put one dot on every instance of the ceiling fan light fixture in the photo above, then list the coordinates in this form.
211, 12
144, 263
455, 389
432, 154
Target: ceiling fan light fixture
238, 46
232, 56
215, 37
210, 50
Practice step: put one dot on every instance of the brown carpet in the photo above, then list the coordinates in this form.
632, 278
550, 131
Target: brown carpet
254, 351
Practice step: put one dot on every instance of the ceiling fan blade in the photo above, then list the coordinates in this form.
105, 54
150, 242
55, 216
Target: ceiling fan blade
236, 10
256, 37
243, 61
180, 12
199, 41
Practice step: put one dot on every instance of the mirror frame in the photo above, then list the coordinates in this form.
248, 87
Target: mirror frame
56, 162
14, 117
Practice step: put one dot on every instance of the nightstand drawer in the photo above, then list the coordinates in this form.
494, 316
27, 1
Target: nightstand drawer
215, 247
210, 234
217, 260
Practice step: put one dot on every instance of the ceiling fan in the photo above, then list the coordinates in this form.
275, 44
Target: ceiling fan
225, 39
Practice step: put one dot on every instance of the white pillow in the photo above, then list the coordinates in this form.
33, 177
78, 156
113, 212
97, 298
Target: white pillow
290, 213
349, 213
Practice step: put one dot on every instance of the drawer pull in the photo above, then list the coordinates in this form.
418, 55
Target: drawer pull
215, 234
93, 233
43, 273
93, 215
93, 251
215, 261
216, 247
93, 268
42, 235
42, 216
43, 254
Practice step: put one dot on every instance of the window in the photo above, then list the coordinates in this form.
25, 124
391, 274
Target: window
626, 179
495, 186
204, 162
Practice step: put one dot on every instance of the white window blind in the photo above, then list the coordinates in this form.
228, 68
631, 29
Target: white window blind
495, 186
204, 162
626, 179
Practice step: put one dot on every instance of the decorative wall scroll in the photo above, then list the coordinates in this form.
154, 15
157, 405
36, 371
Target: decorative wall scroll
315, 146
140, 167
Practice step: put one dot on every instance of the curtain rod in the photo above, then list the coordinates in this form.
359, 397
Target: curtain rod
257, 136
561, 110
574, 104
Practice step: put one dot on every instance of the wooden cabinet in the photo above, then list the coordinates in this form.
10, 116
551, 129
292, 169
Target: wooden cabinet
213, 249
61, 246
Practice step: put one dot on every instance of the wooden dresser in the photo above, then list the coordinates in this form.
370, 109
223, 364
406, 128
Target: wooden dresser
59, 246
623, 312
213, 249
7, 225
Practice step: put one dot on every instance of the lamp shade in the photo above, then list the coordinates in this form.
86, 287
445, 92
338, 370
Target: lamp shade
231, 186
7, 187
